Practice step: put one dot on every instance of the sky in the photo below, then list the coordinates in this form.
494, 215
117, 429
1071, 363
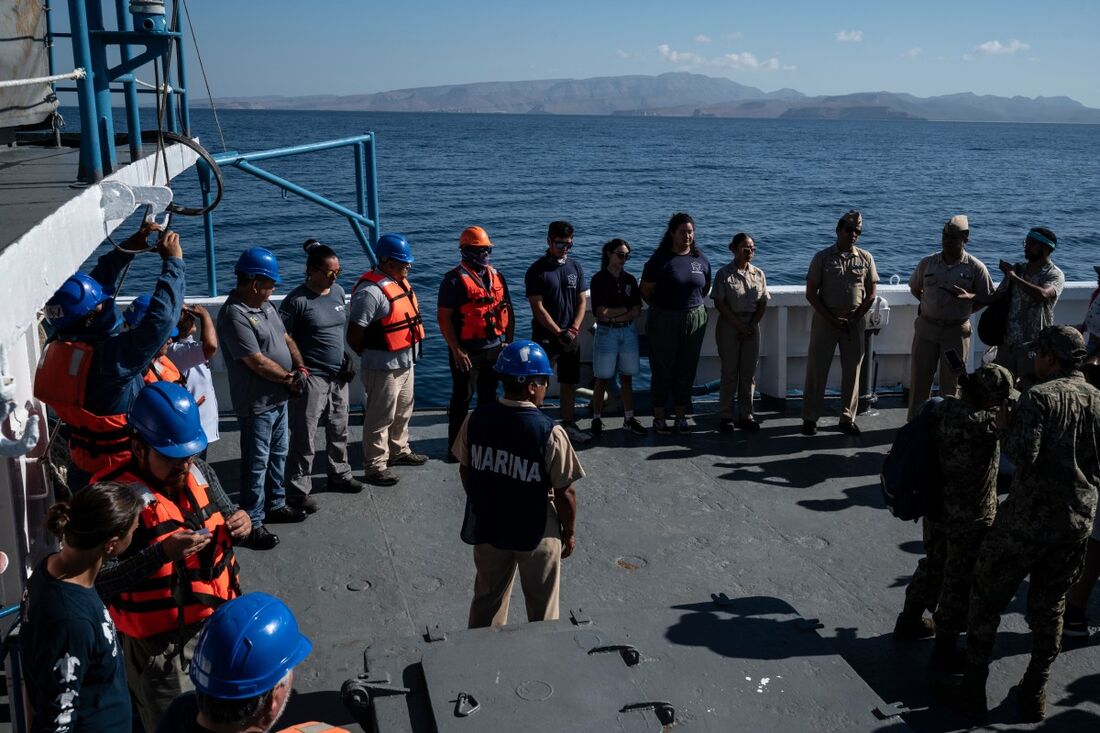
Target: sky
296, 47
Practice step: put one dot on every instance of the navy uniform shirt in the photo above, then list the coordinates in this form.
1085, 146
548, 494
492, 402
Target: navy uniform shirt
609, 291
681, 280
560, 286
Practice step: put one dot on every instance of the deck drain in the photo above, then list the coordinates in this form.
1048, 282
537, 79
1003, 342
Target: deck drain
358, 585
631, 562
535, 690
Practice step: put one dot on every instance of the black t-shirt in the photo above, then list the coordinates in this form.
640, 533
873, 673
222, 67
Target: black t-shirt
560, 286
681, 280
609, 291
72, 662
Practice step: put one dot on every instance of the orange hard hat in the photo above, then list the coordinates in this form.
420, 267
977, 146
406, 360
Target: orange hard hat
474, 237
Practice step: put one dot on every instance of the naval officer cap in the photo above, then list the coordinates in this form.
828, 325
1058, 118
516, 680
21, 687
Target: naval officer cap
957, 224
852, 219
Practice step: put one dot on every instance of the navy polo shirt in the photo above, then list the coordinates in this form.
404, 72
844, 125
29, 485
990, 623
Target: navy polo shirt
560, 286
681, 281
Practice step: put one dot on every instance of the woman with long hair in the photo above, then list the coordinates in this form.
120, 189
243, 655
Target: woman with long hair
72, 663
740, 295
616, 303
675, 281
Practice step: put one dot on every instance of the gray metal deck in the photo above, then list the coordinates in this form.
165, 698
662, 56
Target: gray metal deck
663, 521
34, 183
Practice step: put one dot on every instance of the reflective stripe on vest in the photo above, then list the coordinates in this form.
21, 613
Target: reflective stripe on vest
313, 727
96, 442
485, 314
182, 593
163, 370
402, 327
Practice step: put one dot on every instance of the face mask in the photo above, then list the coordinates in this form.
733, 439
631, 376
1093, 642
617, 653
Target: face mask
107, 321
476, 257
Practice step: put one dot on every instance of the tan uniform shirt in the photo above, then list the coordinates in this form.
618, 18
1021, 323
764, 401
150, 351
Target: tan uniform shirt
561, 459
740, 290
844, 278
934, 278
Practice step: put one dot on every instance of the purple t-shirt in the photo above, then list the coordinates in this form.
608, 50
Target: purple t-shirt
681, 281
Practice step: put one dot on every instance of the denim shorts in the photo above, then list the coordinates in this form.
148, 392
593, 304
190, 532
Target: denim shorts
615, 347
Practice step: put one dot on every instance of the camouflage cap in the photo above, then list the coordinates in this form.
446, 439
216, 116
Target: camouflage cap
1065, 342
957, 223
852, 219
994, 382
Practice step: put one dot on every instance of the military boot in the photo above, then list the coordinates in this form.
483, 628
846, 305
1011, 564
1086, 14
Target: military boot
912, 625
1031, 696
947, 657
965, 694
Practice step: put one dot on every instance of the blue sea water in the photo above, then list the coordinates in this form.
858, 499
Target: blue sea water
785, 182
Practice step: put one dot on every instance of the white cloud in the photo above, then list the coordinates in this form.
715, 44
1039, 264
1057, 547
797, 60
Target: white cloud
748, 62
913, 52
734, 35
996, 48
703, 38
849, 36
680, 57
623, 54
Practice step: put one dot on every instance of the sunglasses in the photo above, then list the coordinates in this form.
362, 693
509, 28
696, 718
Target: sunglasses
853, 230
562, 245
624, 255
331, 273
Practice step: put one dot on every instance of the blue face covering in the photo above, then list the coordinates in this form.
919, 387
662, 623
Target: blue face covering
476, 257
107, 321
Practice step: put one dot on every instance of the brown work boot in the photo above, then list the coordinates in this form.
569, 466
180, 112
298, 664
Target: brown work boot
947, 657
1031, 696
965, 694
912, 626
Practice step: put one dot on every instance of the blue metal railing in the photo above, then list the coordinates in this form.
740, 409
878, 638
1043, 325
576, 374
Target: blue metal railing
363, 221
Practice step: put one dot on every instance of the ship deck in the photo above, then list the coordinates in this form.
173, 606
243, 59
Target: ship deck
35, 182
662, 521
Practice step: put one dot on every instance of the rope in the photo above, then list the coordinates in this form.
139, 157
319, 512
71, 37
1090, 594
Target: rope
75, 74
167, 88
205, 81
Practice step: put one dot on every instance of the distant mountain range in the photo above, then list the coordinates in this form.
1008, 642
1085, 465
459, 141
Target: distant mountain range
680, 94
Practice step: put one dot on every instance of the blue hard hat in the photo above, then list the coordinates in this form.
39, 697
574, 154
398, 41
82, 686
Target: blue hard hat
135, 313
394, 247
76, 298
165, 416
258, 261
246, 647
523, 359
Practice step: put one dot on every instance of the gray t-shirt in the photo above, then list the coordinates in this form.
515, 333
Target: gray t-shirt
316, 323
368, 304
244, 331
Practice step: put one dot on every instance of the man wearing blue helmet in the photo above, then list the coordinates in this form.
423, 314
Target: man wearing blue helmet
265, 371
386, 330
90, 373
159, 614
243, 671
517, 468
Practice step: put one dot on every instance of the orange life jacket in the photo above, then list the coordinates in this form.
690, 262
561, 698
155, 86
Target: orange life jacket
403, 327
163, 370
313, 727
96, 442
485, 314
181, 593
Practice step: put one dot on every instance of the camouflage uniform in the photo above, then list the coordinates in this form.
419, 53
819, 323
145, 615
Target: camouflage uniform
1041, 528
968, 455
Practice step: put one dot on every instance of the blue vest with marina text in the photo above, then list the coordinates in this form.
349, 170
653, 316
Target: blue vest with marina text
508, 480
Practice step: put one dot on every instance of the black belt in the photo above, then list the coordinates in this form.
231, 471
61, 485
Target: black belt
613, 324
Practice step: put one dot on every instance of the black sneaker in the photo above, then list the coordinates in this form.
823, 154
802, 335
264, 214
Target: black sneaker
750, 424
725, 425
347, 485
683, 426
809, 427
596, 428
661, 427
260, 538
631, 425
849, 428
306, 503
285, 514
1075, 623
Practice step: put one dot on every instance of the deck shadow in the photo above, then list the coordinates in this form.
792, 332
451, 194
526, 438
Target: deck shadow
327, 707
811, 470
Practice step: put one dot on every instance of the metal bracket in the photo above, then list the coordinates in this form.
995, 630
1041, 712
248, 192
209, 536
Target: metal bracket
579, 617
808, 624
465, 705
378, 686
629, 653
666, 714
894, 710
434, 632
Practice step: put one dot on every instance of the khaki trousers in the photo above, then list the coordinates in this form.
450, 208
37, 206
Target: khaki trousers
156, 673
824, 339
738, 357
386, 416
539, 577
929, 344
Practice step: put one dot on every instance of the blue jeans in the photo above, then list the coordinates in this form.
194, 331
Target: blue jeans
265, 441
615, 349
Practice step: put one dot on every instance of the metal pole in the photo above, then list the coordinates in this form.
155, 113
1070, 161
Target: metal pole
133, 118
181, 72
49, 60
372, 201
101, 83
208, 229
91, 163
305, 193
361, 177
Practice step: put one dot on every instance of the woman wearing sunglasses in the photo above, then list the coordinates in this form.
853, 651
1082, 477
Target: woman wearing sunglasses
740, 295
616, 303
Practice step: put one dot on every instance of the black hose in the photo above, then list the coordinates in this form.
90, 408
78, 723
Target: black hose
154, 136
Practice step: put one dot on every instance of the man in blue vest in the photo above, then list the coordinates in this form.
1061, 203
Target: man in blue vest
517, 468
